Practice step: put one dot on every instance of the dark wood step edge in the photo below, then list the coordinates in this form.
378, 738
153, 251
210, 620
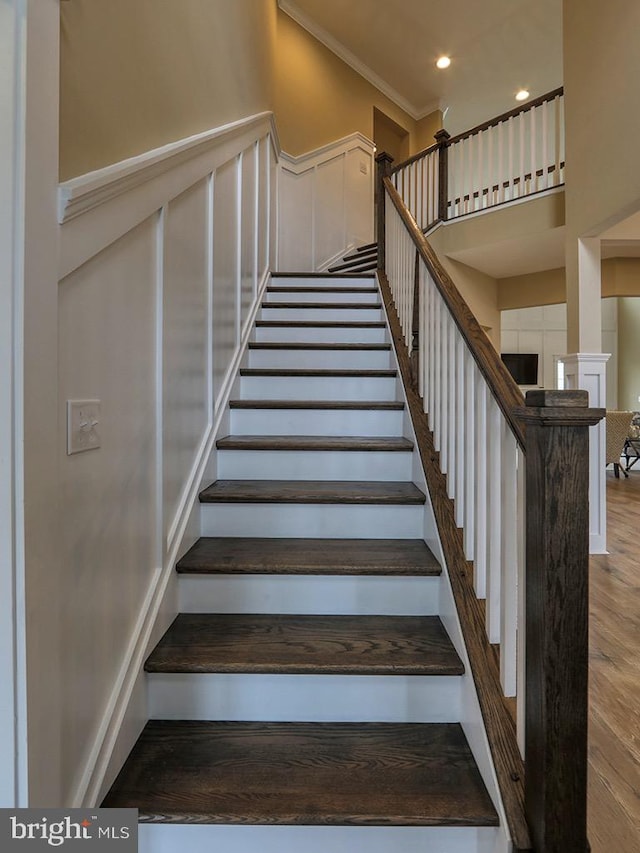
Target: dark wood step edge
324, 306
318, 345
501, 730
338, 405
315, 443
337, 373
321, 324
353, 557
314, 275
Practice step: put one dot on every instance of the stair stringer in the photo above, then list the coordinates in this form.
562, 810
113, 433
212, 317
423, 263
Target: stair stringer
471, 714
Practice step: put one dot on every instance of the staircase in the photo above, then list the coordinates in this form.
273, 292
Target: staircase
307, 697
363, 260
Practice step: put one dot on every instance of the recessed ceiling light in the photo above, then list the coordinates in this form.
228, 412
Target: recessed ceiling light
444, 62
522, 95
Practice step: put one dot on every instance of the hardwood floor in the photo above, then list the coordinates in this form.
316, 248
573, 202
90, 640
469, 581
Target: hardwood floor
614, 670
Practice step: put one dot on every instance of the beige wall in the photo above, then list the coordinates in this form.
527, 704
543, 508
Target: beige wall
527, 291
389, 136
426, 129
137, 74
620, 277
319, 98
629, 353
601, 72
479, 290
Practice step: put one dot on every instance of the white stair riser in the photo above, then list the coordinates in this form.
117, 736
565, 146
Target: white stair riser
327, 281
321, 359
313, 465
360, 595
326, 521
316, 422
304, 698
329, 296
322, 334
318, 388
323, 315
178, 838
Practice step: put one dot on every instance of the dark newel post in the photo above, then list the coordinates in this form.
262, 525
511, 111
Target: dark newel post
415, 326
442, 138
557, 601
384, 162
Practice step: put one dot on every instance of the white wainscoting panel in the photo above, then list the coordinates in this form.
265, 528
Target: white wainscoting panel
186, 415
163, 259
106, 318
226, 318
325, 204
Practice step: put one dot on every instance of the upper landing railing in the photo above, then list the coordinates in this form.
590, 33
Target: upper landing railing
510, 157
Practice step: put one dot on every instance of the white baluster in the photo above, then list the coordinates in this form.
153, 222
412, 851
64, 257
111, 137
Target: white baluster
424, 316
469, 454
481, 491
510, 167
494, 519
444, 406
481, 170
461, 468
545, 145
501, 178
490, 166
470, 150
521, 188
509, 562
437, 369
520, 571
452, 419
431, 385
534, 162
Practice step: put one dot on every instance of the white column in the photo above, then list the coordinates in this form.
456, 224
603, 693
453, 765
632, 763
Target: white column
587, 371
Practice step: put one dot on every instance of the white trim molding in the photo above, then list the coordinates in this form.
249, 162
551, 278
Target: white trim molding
325, 203
343, 53
81, 194
587, 371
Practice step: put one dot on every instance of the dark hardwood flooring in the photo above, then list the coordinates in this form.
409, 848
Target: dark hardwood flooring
303, 773
614, 672
322, 645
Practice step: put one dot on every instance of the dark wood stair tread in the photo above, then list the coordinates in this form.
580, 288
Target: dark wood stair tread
333, 306
254, 555
312, 492
275, 275
321, 324
314, 442
292, 644
362, 254
359, 405
318, 345
321, 289
394, 774
366, 265
310, 372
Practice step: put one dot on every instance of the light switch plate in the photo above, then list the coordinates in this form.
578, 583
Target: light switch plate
83, 425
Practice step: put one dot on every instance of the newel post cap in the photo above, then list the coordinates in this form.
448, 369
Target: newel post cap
547, 407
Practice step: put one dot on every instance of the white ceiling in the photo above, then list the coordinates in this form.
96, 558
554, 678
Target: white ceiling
496, 47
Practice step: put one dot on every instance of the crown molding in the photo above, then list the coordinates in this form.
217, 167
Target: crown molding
335, 46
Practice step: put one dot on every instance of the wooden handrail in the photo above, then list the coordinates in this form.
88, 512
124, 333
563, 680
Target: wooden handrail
415, 157
500, 382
